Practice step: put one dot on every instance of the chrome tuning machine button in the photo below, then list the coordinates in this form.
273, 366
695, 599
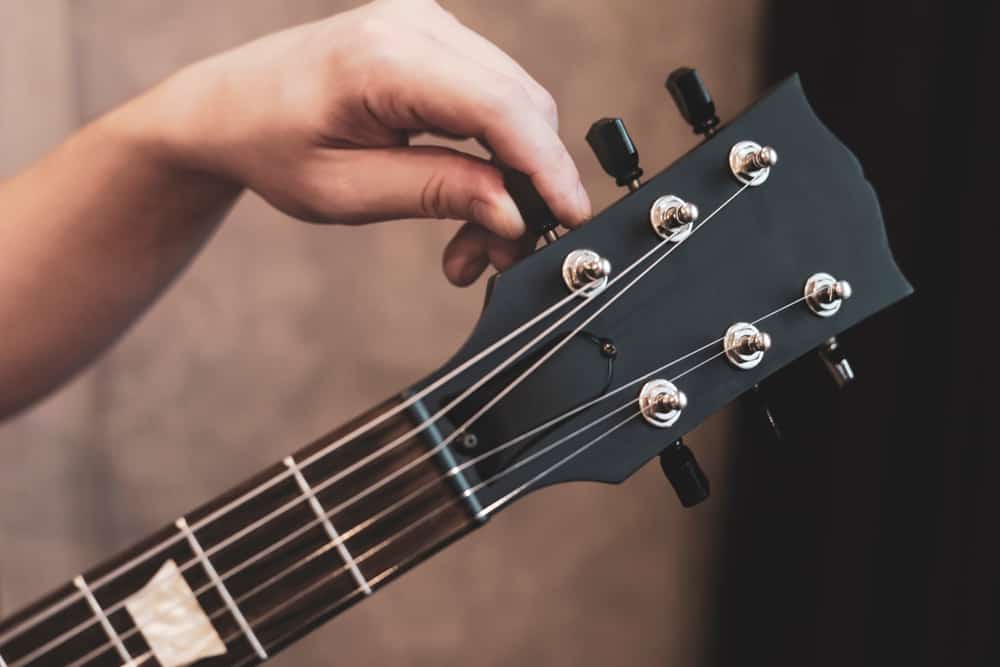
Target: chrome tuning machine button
824, 294
751, 163
585, 272
745, 345
673, 218
661, 403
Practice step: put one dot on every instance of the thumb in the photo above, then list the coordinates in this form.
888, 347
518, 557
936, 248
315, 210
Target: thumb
423, 182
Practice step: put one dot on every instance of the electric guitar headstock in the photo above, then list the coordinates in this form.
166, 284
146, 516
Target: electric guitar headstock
757, 247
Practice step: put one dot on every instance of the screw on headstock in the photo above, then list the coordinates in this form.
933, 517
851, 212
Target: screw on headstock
616, 152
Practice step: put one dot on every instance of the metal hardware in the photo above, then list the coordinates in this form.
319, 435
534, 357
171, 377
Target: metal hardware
824, 294
751, 163
745, 345
550, 236
836, 363
661, 403
586, 272
673, 218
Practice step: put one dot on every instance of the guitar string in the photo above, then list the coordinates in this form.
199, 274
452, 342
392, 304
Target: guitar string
366, 523
482, 411
493, 507
149, 553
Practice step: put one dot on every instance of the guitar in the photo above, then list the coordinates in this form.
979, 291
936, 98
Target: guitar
592, 356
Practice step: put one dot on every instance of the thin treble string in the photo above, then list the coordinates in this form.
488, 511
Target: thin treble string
357, 529
149, 553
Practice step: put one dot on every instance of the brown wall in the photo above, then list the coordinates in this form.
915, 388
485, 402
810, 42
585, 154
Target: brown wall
281, 330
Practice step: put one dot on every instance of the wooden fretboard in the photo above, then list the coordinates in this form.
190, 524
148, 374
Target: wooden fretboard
263, 580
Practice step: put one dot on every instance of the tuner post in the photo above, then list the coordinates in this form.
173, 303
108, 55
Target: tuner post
585, 272
745, 345
661, 403
673, 218
824, 294
751, 163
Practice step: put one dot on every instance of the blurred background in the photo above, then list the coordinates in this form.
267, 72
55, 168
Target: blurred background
870, 542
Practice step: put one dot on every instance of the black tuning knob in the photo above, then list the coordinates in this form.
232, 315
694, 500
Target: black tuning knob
684, 473
615, 151
536, 213
693, 100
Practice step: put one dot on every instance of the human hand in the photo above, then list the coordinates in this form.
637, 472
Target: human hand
317, 120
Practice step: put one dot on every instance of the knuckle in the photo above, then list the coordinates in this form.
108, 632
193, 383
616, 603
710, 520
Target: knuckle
432, 196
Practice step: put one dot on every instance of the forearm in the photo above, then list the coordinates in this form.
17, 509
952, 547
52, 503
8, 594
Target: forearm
89, 236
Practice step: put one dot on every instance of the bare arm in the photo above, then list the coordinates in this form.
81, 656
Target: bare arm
317, 120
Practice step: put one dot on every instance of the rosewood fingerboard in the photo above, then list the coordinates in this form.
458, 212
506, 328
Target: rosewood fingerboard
284, 575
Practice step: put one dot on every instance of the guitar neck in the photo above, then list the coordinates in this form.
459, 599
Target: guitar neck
258, 567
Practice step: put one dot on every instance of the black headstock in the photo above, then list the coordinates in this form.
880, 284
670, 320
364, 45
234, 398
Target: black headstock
815, 213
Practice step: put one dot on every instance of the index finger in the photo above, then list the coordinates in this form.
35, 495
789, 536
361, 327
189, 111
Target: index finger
470, 100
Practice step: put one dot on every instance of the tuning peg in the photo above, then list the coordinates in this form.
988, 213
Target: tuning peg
836, 362
536, 213
693, 100
615, 151
684, 473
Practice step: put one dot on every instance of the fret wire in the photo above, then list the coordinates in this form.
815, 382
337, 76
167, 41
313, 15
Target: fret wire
183, 526
109, 630
328, 525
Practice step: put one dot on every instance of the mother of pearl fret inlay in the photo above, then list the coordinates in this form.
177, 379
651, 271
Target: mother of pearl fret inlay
182, 524
328, 525
169, 617
103, 618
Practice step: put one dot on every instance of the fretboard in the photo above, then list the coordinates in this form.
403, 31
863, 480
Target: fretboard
260, 566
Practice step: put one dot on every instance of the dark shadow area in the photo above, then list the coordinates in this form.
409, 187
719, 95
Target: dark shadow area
868, 534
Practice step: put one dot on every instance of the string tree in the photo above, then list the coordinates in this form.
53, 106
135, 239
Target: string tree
616, 152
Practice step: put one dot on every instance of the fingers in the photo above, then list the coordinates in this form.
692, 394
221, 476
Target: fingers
412, 182
454, 35
474, 248
464, 98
